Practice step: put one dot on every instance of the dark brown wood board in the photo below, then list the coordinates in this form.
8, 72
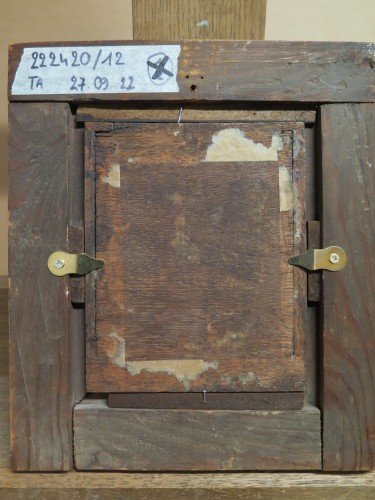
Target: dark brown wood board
42, 390
208, 400
161, 440
196, 293
314, 277
260, 71
348, 390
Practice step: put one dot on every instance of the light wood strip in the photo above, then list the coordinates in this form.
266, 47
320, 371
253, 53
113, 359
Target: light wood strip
222, 486
202, 19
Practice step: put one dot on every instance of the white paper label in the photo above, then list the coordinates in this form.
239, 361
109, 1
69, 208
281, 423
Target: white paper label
97, 70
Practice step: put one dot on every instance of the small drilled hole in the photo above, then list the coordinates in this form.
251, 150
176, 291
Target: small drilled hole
202, 77
193, 87
187, 76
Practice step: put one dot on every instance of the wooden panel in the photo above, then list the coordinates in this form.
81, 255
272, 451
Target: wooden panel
209, 400
41, 388
196, 293
112, 438
179, 19
188, 113
348, 148
250, 71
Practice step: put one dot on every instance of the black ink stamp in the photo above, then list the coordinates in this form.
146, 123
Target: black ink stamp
160, 68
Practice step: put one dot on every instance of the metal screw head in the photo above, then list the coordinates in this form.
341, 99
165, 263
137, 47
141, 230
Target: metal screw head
334, 258
59, 263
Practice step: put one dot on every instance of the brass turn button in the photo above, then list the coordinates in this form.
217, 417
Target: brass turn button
329, 259
62, 263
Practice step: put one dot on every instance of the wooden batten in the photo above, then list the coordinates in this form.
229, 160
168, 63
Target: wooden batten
152, 439
305, 72
190, 113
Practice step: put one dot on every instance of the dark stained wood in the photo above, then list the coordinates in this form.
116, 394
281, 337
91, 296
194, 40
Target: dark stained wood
76, 201
314, 277
178, 19
262, 71
297, 179
89, 217
42, 392
311, 312
77, 245
348, 156
209, 400
77, 290
121, 439
76, 234
189, 113
196, 293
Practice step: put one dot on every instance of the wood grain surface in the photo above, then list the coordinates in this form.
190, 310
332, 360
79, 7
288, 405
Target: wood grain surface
172, 440
348, 149
196, 293
262, 71
207, 19
42, 392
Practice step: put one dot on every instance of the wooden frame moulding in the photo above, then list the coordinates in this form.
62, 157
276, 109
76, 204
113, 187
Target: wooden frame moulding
43, 390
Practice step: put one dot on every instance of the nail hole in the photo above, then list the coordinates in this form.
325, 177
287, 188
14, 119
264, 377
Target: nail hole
187, 76
202, 77
193, 87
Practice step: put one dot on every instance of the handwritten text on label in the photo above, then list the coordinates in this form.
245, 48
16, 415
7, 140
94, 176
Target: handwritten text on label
97, 70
